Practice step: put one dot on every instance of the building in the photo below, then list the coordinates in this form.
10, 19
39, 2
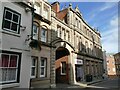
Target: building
78, 47
40, 54
117, 64
42, 45
111, 66
105, 65
15, 26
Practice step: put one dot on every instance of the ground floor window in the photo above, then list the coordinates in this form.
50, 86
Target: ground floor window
38, 67
43, 66
33, 67
63, 68
9, 67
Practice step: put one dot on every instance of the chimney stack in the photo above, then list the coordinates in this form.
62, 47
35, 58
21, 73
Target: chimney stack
56, 6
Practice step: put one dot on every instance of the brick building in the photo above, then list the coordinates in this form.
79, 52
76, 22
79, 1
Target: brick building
111, 70
117, 64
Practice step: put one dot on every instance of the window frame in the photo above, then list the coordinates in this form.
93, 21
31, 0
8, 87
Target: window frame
63, 73
46, 10
11, 21
35, 36
36, 59
46, 37
18, 63
45, 67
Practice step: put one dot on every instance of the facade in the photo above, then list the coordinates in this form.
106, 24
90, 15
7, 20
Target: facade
15, 25
105, 75
111, 66
117, 64
80, 43
40, 76
42, 46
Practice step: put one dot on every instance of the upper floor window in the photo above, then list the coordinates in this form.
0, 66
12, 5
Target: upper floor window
35, 31
46, 12
44, 35
37, 8
11, 20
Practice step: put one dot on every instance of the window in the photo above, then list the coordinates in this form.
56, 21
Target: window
58, 30
76, 21
67, 35
63, 68
80, 44
63, 33
33, 67
38, 8
11, 20
9, 67
46, 13
43, 63
35, 32
44, 35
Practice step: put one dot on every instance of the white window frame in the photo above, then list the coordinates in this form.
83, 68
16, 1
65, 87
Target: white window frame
33, 66
44, 38
63, 73
11, 67
11, 21
35, 35
45, 68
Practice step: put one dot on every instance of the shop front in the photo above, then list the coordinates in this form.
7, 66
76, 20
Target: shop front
79, 72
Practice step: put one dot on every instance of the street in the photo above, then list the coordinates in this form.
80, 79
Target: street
107, 84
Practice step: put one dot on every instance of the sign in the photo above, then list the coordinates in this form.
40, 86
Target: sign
78, 61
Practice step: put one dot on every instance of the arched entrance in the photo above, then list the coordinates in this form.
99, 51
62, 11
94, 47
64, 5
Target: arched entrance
61, 65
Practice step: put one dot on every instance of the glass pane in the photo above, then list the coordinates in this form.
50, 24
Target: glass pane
15, 18
4, 74
43, 35
6, 24
0, 75
33, 62
13, 61
5, 60
42, 71
14, 26
35, 29
8, 15
11, 74
42, 62
63, 67
33, 71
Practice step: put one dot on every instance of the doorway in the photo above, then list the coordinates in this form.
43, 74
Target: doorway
61, 65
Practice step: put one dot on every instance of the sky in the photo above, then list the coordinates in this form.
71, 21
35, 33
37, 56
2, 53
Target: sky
100, 15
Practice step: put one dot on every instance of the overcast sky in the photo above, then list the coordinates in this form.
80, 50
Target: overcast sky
101, 15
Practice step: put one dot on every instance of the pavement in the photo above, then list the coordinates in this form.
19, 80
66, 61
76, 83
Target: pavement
97, 84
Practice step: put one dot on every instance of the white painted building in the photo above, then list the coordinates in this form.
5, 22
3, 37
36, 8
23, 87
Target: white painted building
15, 26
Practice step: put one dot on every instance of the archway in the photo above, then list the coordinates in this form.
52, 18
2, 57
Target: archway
61, 65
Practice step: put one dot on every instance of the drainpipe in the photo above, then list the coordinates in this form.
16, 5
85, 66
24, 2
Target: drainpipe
32, 20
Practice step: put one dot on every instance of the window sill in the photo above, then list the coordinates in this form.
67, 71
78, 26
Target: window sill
10, 33
10, 85
40, 79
